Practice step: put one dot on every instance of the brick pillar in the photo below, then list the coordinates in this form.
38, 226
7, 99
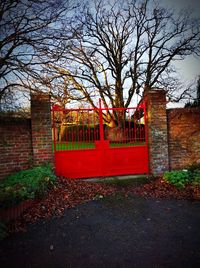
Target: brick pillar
41, 129
157, 131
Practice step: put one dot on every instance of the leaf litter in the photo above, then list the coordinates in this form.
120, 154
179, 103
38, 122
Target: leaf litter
68, 193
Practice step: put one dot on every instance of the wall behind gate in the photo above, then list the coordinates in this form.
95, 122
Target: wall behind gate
174, 134
15, 145
26, 142
183, 136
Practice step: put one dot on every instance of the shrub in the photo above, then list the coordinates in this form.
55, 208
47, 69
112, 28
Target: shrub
194, 172
179, 178
3, 231
196, 177
26, 184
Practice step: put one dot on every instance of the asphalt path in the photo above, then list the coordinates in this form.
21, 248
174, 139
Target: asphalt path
111, 232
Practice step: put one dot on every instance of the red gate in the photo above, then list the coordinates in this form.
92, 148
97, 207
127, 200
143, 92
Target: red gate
100, 142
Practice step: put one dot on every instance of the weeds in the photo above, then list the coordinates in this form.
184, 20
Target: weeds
180, 178
26, 184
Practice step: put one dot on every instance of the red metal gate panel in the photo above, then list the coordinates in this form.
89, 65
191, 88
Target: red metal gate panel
86, 145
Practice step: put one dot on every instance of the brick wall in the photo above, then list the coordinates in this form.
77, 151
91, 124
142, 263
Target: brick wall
184, 137
174, 136
41, 129
157, 131
15, 145
26, 142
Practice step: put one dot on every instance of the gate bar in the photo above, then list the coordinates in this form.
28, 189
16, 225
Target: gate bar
101, 122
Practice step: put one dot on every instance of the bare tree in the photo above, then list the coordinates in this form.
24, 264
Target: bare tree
198, 92
125, 48
194, 98
27, 27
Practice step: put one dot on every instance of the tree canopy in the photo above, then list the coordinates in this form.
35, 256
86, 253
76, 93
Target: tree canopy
124, 48
196, 99
26, 28
111, 51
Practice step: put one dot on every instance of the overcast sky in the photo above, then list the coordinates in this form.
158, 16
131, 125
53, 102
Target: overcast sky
190, 67
178, 4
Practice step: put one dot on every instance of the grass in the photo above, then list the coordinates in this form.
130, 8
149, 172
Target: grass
74, 145
91, 145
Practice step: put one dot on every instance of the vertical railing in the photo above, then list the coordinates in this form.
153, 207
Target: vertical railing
101, 121
54, 131
145, 123
88, 128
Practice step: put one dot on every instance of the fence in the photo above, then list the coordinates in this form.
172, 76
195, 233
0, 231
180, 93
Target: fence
100, 141
173, 136
80, 128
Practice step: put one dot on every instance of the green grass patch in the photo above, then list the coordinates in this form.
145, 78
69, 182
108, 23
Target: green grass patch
126, 144
74, 145
91, 145
26, 184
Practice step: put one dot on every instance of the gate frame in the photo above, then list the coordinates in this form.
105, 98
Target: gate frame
101, 151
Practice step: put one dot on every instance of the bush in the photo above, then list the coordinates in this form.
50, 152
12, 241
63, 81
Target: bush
180, 178
196, 179
26, 184
177, 178
194, 171
3, 231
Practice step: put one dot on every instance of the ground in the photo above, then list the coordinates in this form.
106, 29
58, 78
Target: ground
111, 232
123, 225
69, 193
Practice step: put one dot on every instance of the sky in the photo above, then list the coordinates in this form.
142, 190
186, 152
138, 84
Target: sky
190, 67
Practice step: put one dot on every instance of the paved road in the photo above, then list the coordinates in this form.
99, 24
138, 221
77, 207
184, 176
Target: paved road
112, 232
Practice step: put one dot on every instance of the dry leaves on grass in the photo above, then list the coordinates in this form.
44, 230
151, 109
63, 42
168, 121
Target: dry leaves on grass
162, 189
69, 193
66, 194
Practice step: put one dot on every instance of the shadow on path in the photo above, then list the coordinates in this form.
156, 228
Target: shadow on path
112, 232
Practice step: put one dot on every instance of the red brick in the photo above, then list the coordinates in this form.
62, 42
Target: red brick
157, 131
184, 137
